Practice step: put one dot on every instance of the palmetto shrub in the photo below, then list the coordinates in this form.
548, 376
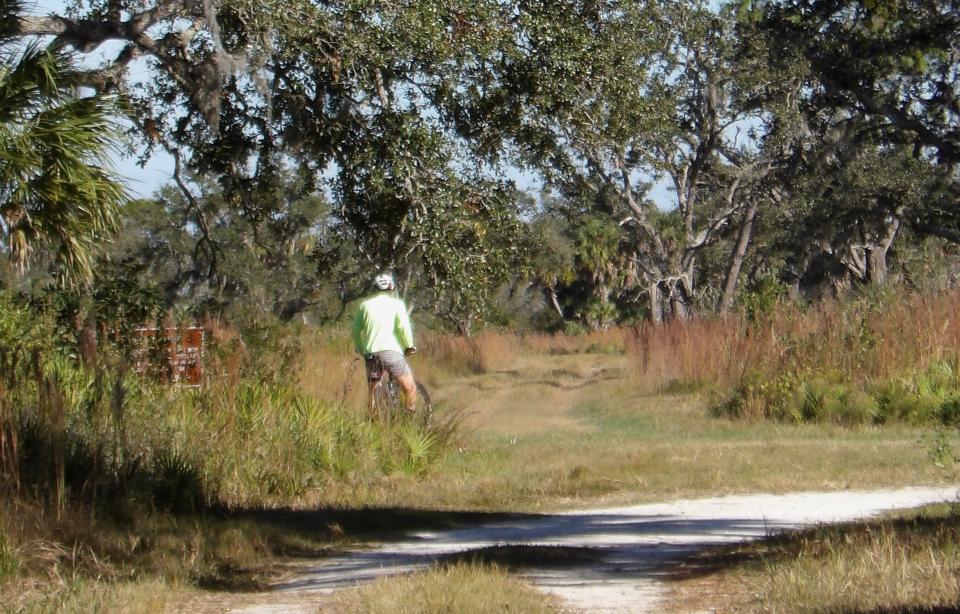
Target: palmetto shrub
106, 437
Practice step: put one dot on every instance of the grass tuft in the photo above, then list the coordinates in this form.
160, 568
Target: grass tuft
859, 362
461, 588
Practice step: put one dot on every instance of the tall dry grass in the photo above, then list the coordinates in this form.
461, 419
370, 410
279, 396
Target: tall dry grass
330, 370
457, 355
860, 341
608, 341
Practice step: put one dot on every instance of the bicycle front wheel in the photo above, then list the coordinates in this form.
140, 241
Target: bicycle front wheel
423, 409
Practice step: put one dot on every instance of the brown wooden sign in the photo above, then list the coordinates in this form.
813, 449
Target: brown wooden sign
173, 354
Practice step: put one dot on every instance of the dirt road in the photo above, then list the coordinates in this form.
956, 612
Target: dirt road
595, 560
604, 560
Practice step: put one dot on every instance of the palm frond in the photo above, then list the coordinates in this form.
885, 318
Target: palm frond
56, 192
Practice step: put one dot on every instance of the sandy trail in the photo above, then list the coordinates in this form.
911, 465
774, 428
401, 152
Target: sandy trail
630, 546
597, 560
547, 388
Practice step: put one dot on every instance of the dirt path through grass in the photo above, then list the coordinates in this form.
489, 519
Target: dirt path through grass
603, 560
535, 394
571, 431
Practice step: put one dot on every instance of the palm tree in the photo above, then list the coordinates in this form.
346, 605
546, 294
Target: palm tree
56, 193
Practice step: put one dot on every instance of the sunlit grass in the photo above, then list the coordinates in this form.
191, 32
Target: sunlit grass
861, 340
84, 595
549, 422
461, 588
909, 562
617, 445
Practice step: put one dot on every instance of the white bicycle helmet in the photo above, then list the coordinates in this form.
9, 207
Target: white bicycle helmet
384, 281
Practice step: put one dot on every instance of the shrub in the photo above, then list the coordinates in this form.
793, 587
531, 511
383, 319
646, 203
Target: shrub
103, 436
898, 401
857, 407
761, 298
949, 411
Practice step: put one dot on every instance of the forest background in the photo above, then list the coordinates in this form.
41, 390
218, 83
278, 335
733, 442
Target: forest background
808, 151
809, 148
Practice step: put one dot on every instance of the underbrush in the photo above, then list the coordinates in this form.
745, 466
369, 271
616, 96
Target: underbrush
929, 396
95, 436
877, 359
910, 563
106, 475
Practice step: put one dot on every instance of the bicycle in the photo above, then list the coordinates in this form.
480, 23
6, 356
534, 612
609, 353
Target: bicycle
388, 400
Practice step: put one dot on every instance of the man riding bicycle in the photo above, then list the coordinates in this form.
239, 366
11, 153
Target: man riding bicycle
383, 336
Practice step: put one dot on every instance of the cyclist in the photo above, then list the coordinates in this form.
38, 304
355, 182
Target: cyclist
383, 336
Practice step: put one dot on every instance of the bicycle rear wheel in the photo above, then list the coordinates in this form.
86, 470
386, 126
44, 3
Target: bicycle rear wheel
386, 401
389, 405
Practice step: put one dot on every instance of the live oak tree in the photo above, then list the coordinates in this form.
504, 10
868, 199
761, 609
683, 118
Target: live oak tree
601, 99
350, 94
790, 134
886, 71
892, 60
259, 266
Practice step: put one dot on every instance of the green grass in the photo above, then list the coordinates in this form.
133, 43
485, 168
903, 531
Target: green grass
626, 446
579, 434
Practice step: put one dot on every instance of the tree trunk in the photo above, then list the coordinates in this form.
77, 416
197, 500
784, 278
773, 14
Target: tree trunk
465, 326
793, 290
877, 266
736, 259
867, 262
656, 303
679, 310
679, 300
876, 256
552, 295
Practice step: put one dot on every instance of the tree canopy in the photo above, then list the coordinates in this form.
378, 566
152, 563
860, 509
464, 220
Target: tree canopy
799, 140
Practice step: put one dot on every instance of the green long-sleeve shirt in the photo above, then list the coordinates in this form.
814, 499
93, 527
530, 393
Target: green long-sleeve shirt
382, 323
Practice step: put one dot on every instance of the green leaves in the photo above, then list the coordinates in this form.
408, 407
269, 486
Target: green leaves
893, 61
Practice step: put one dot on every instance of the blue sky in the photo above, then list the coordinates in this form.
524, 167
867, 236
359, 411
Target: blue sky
141, 181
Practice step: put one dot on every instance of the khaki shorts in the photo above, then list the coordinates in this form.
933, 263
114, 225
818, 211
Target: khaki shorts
393, 362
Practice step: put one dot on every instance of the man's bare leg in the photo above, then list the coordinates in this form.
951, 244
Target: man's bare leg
371, 384
409, 387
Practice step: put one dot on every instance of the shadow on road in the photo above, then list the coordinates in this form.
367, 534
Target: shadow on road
367, 523
560, 550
